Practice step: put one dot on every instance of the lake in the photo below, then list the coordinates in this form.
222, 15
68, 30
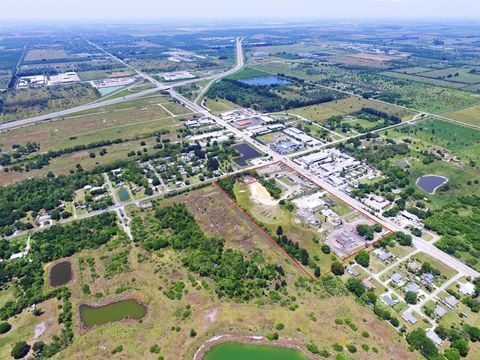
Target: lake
232, 351
61, 273
247, 152
116, 311
264, 81
123, 194
430, 183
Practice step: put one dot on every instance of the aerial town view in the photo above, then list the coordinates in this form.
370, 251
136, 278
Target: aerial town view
255, 180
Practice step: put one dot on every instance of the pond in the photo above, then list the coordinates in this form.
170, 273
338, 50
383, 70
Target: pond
115, 311
61, 273
108, 90
247, 152
232, 351
264, 81
430, 183
123, 194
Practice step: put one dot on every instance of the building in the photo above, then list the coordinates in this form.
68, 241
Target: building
367, 283
384, 256
451, 301
352, 271
408, 317
397, 279
439, 311
285, 146
432, 335
388, 300
412, 287
467, 289
427, 279
32, 81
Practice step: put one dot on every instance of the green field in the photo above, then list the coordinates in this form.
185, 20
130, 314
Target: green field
461, 141
469, 115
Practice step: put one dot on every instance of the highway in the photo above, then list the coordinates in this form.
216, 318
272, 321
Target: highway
98, 104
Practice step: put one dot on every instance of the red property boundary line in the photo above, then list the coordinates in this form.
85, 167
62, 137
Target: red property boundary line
343, 260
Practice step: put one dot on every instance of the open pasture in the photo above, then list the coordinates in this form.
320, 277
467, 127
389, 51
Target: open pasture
135, 119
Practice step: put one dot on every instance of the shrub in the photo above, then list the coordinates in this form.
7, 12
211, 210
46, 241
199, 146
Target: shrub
155, 349
337, 347
272, 336
280, 326
5, 327
352, 348
365, 347
20, 349
312, 348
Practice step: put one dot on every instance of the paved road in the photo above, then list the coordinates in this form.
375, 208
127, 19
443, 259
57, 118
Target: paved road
240, 64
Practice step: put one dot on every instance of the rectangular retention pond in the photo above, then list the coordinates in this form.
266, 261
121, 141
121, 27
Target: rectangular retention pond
61, 273
264, 81
115, 311
232, 351
247, 152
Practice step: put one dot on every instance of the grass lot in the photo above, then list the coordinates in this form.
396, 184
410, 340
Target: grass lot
45, 54
136, 119
469, 115
313, 320
218, 106
101, 74
63, 164
460, 141
351, 104
247, 73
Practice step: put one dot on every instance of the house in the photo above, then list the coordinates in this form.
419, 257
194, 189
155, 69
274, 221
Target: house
451, 302
412, 287
466, 289
408, 317
368, 284
388, 300
439, 311
434, 337
385, 256
397, 279
352, 271
427, 279
413, 265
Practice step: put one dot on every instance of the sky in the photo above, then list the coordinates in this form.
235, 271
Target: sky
117, 10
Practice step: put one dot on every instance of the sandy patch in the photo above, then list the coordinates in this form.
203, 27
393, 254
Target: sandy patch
40, 329
260, 195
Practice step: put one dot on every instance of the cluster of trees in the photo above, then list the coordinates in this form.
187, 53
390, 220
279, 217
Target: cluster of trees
292, 248
54, 243
265, 98
459, 229
368, 231
356, 287
271, 187
392, 119
235, 276
37, 194
214, 156
27, 275
363, 258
